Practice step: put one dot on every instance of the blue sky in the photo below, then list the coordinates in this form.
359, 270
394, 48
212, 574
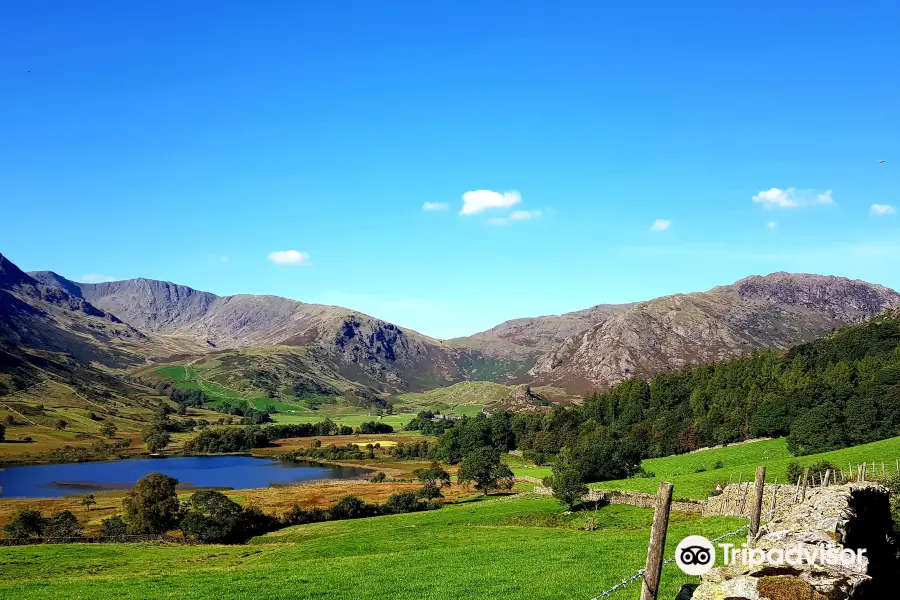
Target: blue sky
615, 151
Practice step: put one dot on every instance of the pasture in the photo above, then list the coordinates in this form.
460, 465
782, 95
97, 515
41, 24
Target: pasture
516, 547
695, 476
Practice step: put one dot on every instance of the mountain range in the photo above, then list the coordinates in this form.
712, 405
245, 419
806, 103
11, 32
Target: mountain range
122, 326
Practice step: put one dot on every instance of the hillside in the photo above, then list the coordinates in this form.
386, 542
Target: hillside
665, 334
578, 352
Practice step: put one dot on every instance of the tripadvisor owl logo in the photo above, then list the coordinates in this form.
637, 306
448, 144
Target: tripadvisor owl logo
695, 555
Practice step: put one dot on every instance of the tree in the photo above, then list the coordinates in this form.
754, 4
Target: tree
350, 507
434, 475
2, 432
483, 467
155, 437
402, 502
109, 429
566, 481
62, 524
61, 424
27, 523
378, 477
88, 501
429, 492
818, 430
152, 506
212, 517
114, 526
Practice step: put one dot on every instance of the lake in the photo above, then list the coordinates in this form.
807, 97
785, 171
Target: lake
238, 472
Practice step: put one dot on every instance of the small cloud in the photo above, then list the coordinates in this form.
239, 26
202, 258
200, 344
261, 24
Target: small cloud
219, 258
435, 206
660, 225
825, 197
881, 210
772, 225
792, 198
516, 215
480, 200
96, 278
289, 257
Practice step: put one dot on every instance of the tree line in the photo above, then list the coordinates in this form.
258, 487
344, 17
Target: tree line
838, 391
153, 507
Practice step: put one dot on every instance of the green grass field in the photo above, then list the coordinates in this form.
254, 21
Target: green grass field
350, 420
740, 461
512, 548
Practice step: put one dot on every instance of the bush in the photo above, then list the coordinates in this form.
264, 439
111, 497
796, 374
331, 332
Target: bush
212, 517
63, 524
302, 516
538, 458
429, 492
378, 477
434, 504
719, 465
114, 526
26, 524
351, 507
402, 502
816, 470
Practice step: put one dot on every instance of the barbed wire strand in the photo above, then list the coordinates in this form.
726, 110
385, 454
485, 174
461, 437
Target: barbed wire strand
640, 573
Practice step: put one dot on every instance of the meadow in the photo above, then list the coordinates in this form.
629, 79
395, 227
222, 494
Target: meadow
694, 475
516, 547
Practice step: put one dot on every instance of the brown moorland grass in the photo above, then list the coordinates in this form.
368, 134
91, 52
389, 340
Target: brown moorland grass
274, 500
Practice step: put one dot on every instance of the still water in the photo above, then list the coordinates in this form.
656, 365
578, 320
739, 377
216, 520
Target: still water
238, 472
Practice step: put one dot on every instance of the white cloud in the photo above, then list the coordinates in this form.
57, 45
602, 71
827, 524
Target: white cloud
772, 225
881, 210
289, 257
825, 197
660, 225
792, 198
435, 206
516, 215
480, 200
96, 278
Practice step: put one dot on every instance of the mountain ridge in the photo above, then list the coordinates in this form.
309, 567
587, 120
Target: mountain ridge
579, 351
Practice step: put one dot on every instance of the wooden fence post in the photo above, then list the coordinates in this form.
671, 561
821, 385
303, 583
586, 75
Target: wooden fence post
757, 504
797, 491
826, 477
805, 481
653, 570
774, 498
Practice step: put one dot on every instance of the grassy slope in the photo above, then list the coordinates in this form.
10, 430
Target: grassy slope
512, 548
741, 461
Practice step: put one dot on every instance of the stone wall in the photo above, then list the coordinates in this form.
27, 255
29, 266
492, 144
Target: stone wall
736, 500
851, 516
632, 498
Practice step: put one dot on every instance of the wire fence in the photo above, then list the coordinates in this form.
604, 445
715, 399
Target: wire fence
639, 575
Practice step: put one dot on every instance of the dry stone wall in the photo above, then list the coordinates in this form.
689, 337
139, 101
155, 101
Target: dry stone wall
851, 516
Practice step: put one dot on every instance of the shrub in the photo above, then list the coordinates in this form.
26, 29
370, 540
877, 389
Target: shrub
350, 507
27, 523
816, 470
402, 502
114, 526
210, 516
538, 458
719, 465
62, 524
429, 492
378, 477
434, 504
302, 516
